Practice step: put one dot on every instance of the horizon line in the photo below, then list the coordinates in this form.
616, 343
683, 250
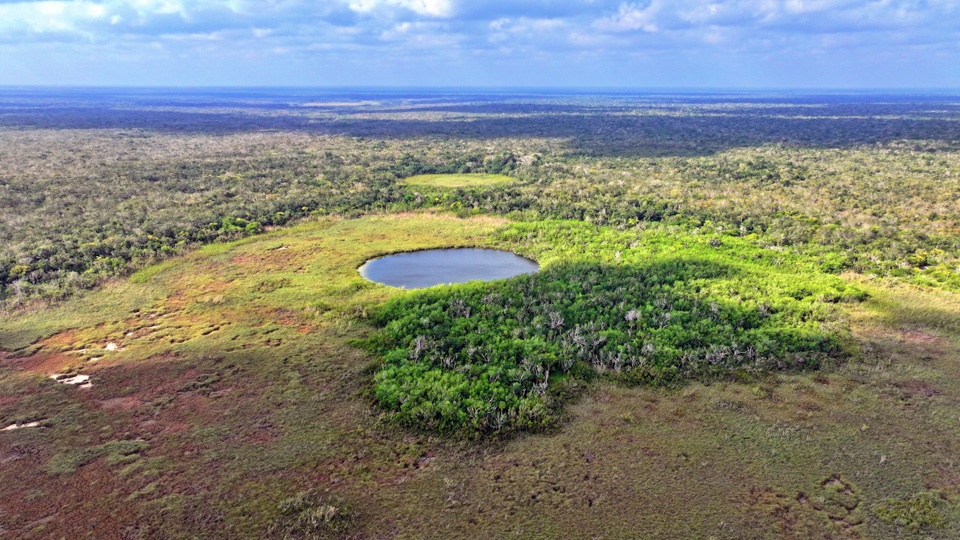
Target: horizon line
488, 87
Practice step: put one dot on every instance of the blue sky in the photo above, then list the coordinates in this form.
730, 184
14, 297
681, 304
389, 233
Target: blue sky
592, 43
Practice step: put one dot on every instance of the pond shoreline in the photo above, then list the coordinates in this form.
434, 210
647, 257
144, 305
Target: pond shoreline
444, 266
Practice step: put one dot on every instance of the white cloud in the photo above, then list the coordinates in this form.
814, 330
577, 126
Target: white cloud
421, 35
99, 18
432, 8
809, 16
630, 17
495, 29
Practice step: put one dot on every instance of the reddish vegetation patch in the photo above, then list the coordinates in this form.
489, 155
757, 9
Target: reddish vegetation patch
122, 403
264, 432
928, 346
152, 378
246, 259
285, 317
62, 502
802, 517
913, 335
946, 479
809, 406
776, 505
8, 400
48, 360
171, 428
43, 363
66, 339
149, 400
917, 388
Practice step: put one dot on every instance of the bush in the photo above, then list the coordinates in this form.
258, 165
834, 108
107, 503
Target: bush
924, 510
309, 514
484, 357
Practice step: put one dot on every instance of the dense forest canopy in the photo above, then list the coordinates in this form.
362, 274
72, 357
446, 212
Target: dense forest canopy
640, 308
98, 183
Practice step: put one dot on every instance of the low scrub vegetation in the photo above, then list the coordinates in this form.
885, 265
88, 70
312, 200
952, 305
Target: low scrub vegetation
925, 510
311, 515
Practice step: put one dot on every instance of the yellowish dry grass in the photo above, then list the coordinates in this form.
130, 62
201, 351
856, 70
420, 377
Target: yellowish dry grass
458, 180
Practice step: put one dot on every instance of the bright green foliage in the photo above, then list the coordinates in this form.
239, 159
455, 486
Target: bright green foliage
643, 309
924, 510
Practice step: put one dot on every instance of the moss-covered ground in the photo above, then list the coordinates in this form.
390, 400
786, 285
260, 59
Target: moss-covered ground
229, 400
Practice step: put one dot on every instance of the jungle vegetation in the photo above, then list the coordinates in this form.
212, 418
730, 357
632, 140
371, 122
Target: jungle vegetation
93, 190
642, 308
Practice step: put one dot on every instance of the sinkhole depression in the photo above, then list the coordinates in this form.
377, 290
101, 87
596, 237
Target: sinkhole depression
419, 269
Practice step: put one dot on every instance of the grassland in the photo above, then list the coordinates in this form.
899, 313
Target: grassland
457, 180
235, 404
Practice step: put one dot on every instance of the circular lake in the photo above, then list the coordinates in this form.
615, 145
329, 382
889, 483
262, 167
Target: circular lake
419, 269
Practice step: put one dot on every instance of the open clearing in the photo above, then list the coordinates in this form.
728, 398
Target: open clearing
233, 386
458, 180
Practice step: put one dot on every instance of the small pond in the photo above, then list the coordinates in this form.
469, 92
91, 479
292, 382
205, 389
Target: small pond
420, 269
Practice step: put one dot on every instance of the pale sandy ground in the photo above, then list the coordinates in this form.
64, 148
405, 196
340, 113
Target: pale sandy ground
12, 427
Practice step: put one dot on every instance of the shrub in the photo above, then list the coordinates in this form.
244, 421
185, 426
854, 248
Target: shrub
924, 510
485, 357
309, 514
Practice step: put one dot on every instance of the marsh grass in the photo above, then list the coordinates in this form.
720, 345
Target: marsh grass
458, 180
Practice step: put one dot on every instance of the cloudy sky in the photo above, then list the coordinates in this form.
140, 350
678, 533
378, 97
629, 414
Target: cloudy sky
589, 43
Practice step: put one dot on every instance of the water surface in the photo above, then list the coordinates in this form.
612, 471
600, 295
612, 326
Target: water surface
444, 266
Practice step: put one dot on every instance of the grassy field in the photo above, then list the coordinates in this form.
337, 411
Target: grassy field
457, 180
229, 400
